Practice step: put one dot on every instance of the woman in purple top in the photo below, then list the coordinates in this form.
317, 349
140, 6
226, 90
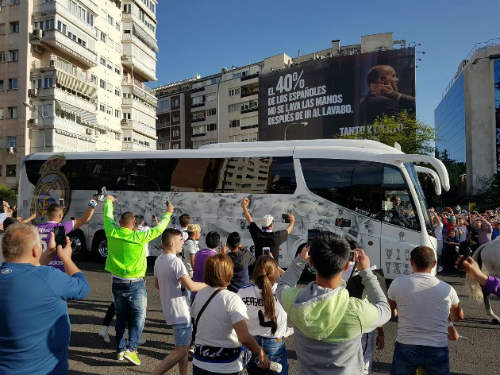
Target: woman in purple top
490, 284
213, 241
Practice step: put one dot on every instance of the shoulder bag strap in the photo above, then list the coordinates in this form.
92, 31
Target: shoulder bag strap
195, 325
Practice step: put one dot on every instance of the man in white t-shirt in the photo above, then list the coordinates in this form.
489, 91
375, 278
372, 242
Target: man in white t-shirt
171, 277
191, 247
425, 306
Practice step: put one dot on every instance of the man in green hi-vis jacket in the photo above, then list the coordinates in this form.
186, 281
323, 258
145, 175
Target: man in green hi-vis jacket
127, 263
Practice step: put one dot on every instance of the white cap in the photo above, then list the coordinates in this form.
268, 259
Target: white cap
266, 221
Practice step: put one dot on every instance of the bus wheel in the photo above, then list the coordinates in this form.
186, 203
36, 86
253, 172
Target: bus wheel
78, 245
100, 247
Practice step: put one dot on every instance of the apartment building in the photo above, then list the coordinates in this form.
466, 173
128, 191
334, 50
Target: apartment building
72, 77
223, 107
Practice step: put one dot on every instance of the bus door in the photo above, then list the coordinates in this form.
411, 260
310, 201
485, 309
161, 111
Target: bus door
400, 224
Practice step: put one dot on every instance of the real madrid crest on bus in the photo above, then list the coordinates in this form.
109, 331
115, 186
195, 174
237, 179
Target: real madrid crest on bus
51, 187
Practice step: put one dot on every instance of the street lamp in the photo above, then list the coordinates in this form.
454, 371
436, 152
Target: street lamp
36, 127
303, 123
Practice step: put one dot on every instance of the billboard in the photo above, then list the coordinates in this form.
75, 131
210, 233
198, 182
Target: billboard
335, 96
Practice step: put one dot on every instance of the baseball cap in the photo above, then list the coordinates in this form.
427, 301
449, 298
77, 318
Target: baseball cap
266, 221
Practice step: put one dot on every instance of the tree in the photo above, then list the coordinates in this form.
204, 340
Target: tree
414, 136
8, 194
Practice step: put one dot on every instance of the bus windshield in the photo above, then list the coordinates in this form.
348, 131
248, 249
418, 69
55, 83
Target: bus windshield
420, 194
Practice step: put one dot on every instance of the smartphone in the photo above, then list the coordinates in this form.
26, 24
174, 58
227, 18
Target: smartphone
60, 236
101, 194
285, 218
266, 250
167, 202
61, 202
351, 255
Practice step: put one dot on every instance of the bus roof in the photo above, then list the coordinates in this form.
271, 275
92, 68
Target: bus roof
241, 149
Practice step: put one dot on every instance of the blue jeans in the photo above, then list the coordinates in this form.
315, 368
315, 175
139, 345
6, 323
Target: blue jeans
368, 345
275, 350
130, 303
182, 334
407, 358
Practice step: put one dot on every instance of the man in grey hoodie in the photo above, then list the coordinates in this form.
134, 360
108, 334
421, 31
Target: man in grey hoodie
328, 323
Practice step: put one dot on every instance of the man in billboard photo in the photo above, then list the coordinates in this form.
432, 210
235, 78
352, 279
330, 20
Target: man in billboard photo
383, 96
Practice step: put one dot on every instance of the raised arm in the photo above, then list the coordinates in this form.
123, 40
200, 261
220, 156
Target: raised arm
156, 231
87, 215
292, 274
291, 219
109, 220
244, 205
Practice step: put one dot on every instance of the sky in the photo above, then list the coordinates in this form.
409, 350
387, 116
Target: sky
202, 36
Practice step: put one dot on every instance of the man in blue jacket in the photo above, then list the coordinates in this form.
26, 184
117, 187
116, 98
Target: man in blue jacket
34, 322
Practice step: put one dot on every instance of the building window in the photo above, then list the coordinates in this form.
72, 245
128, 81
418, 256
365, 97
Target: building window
117, 92
11, 170
110, 20
14, 55
1, 118
12, 112
234, 107
14, 27
13, 84
102, 60
197, 100
103, 37
15, 2
234, 92
48, 82
102, 83
2, 56
176, 133
211, 127
175, 102
211, 112
117, 70
234, 123
1, 84
102, 107
117, 113
11, 141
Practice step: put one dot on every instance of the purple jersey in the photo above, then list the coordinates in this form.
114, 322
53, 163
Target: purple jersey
44, 230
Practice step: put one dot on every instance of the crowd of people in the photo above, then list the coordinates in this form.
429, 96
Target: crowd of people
459, 232
232, 308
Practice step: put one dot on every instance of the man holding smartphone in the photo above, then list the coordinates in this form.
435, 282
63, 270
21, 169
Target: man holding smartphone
55, 214
265, 238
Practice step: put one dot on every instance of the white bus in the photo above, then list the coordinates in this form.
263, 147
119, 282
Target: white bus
363, 190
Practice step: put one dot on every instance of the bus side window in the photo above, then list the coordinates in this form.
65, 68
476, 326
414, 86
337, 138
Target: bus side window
353, 184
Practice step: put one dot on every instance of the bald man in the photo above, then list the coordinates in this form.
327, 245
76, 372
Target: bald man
34, 321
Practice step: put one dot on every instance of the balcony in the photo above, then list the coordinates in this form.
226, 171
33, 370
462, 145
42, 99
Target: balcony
250, 76
249, 109
131, 60
139, 89
73, 79
140, 106
139, 127
59, 41
60, 95
198, 119
51, 8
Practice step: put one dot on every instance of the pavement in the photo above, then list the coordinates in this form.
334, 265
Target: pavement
88, 354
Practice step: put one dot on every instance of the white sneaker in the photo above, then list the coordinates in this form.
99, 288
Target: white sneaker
104, 334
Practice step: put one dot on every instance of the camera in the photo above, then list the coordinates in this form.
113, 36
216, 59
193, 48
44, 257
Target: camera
285, 218
60, 236
266, 250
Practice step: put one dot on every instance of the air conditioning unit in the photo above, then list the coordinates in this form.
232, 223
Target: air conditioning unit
89, 131
11, 150
32, 93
